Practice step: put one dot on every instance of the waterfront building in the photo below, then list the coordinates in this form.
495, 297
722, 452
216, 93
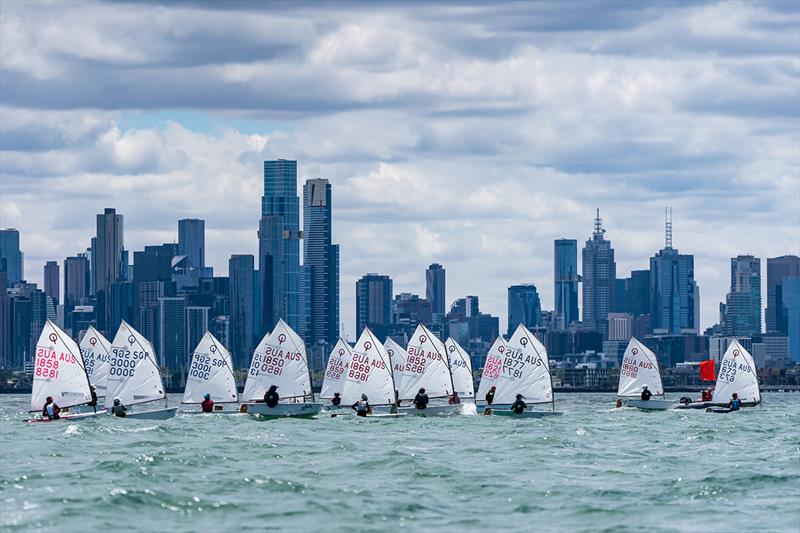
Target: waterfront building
242, 303
566, 282
743, 302
524, 307
51, 280
599, 275
374, 304
778, 268
11, 258
76, 280
435, 291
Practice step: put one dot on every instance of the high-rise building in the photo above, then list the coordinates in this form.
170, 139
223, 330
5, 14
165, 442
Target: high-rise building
172, 335
374, 304
566, 282
51, 285
192, 241
11, 258
791, 299
321, 263
76, 280
674, 294
196, 326
220, 327
524, 307
620, 326
743, 302
435, 290
778, 268
122, 305
280, 200
637, 293
108, 249
599, 275
270, 298
242, 284
5, 333
472, 306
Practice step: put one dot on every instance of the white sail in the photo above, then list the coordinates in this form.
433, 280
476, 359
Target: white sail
426, 367
133, 376
461, 367
526, 370
336, 370
96, 351
370, 373
737, 373
492, 367
398, 357
279, 359
58, 370
639, 368
211, 372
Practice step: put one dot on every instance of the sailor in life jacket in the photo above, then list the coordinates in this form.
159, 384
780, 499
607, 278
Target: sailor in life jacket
207, 404
50, 409
362, 406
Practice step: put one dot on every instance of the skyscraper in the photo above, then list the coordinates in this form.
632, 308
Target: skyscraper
674, 294
743, 302
196, 326
108, 249
435, 290
374, 304
5, 332
599, 275
791, 299
778, 268
172, 335
321, 262
566, 281
270, 297
76, 280
280, 200
241, 273
192, 241
51, 275
11, 258
524, 307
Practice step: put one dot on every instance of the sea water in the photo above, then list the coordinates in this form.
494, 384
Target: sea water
596, 468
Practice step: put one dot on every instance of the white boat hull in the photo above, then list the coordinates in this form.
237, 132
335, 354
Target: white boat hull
152, 414
219, 409
653, 404
524, 414
432, 410
69, 417
282, 410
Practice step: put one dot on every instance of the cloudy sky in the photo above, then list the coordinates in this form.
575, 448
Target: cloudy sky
470, 135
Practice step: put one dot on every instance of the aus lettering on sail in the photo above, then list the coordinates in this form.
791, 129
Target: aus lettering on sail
48, 361
418, 357
494, 365
516, 362
336, 368
362, 364
630, 366
730, 367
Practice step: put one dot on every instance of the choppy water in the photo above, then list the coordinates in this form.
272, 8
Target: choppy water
595, 468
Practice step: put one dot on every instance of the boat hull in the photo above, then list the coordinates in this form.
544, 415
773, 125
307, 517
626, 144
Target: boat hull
432, 410
282, 410
706, 405
152, 414
219, 409
524, 414
653, 404
74, 417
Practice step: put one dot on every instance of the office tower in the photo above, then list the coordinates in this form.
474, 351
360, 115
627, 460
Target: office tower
637, 293
270, 298
51, 275
791, 300
566, 281
524, 307
220, 327
374, 304
11, 258
471, 305
674, 294
743, 302
171, 345
280, 200
435, 290
108, 246
620, 326
196, 326
241, 274
321, 264
152, 280
192, 241
778, 268
5, 333
122, 305
91, 254
599, 275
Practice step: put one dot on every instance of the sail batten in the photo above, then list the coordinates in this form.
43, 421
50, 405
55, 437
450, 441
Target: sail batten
58, 370
210, 372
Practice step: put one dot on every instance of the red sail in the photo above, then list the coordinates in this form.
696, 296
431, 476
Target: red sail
707, 371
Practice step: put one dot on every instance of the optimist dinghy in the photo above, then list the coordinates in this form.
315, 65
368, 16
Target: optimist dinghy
640, 369
461, 368
211, 372
491, 371
335, 374
427, 367
370, 373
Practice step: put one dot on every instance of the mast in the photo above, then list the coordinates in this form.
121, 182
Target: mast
547, 363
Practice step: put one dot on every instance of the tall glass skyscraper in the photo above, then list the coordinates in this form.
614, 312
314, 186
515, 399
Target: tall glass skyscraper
778, 268
242, 284
374, 304
435, 290
599, 277
524, 307
11, 257
281, 205
51, 277
192, 241
321, 263
743, 302
566, 281
108, 253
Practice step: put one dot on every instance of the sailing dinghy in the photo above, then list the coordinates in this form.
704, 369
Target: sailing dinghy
525, 371
370, 373
640, 369
427, 367
461, 368
59, 372
134, 377
280, 359
492, 367
336, 373
96, 351
398, 357
211, 372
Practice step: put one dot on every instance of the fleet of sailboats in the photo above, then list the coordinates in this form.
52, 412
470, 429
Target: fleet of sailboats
389, 375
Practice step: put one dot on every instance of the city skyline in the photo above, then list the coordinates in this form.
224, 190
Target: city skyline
589, 114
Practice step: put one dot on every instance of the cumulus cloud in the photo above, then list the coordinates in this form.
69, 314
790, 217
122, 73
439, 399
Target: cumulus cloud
467, 134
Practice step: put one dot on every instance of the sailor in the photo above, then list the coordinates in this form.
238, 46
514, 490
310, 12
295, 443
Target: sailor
490, 395
421, 399
93, 403
735, 404
706, 395
50, 409
271, 397
619, 403
362, 407
118, 409
646, 394
454, 399
207, 404
519, 406
336, 400
397, 398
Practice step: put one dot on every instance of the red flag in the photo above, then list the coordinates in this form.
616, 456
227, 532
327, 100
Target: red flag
707, 371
